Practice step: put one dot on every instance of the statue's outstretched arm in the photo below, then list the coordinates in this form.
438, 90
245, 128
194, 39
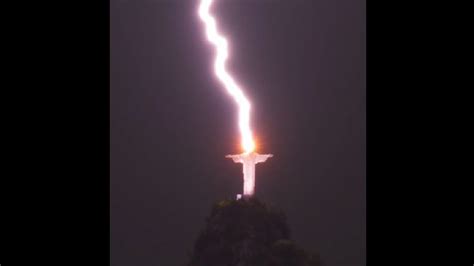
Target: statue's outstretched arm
263, 157
236, 158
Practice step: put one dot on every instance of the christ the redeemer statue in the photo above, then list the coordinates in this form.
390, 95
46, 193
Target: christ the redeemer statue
249, 160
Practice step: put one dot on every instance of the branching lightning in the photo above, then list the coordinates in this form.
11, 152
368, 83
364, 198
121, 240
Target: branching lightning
220, 43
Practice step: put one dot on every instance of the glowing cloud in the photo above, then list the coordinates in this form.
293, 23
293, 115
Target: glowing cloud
220, 43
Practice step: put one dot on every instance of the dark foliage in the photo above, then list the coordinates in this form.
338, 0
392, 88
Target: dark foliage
248, 233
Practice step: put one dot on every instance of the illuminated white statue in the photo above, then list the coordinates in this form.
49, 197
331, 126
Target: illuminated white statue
249, 160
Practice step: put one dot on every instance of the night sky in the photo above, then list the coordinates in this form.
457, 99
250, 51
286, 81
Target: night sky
302, 65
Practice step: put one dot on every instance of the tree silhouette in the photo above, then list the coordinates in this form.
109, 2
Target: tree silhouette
248, 233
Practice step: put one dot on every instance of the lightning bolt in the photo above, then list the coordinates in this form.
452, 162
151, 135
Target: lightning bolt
220, 44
